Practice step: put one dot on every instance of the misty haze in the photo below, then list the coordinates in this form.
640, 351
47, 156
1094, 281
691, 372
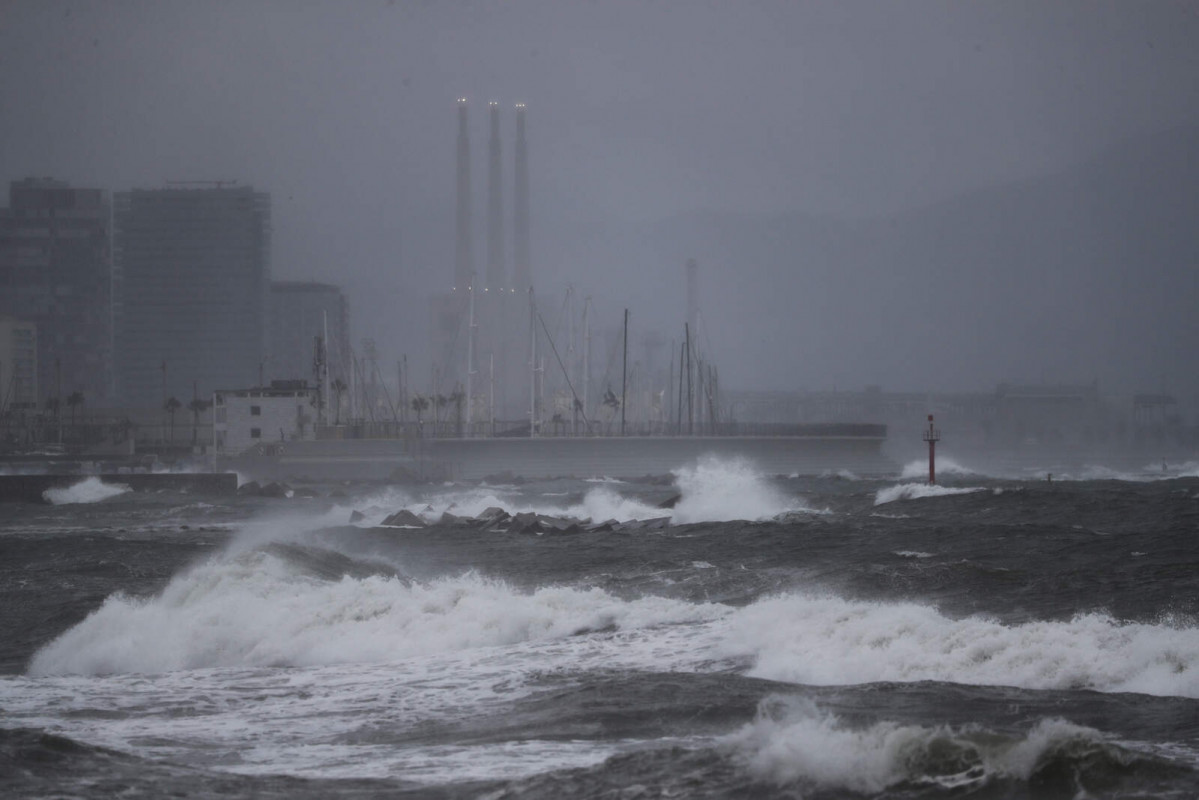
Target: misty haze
464, 398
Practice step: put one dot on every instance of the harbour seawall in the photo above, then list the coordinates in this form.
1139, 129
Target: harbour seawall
629, 457
785, 450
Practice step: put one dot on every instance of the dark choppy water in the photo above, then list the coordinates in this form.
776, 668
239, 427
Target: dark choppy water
860, 638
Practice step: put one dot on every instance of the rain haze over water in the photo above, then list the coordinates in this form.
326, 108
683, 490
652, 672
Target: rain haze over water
989, 208
924, 196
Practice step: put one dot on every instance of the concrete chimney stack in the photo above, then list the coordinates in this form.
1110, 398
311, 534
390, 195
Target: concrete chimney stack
464, 269
496, 275
522, 273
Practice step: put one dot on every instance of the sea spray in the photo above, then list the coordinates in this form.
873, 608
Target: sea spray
720, 490
945, 467
256, 609
824, 640
792, 742
916, 491
712, 490
89, 490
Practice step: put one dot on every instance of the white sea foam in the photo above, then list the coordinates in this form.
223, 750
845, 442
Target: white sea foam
915, 491
1146, 474
712, 490
792, 742
945, 466
718, 490
88, 490
843, 474
255, 609
1188, 470
308, 722
830, 641
599, 503
604, 503
1101, 472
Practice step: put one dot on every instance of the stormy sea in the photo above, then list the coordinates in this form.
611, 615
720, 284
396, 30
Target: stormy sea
713, 633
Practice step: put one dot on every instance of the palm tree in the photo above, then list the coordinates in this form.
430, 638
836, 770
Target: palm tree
171, 406
74, 400
419, 404
196, 406
456, 397
339, 388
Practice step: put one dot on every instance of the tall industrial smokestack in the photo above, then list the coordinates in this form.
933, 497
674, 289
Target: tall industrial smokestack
522, 277
464, 269
496, 277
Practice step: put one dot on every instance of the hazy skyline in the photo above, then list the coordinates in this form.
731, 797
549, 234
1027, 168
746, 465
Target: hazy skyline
640, 114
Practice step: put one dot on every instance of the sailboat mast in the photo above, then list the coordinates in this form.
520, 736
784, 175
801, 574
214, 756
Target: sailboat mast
470, 355
586, 355
532, 364
624, 382
325, 368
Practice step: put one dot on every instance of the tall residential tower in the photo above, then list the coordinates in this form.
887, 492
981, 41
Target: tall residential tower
191, 290
55, 271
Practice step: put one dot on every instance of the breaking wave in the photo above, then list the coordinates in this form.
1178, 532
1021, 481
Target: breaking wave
713, 490
258, 608
717, 490
792, 743
88, 490
945, 466
831, 641
916, 491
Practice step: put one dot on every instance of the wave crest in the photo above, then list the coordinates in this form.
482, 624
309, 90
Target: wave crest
258, 609
830, 641
792, 742
916, 491
945, 466
88, 490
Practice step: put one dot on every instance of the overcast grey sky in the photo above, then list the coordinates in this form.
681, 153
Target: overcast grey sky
639, 112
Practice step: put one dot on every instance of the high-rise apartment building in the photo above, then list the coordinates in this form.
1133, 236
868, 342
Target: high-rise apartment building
55, 271
191, 286
18, 365
300, 312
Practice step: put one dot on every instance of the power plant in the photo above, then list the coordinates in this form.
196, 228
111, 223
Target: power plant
480, 338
